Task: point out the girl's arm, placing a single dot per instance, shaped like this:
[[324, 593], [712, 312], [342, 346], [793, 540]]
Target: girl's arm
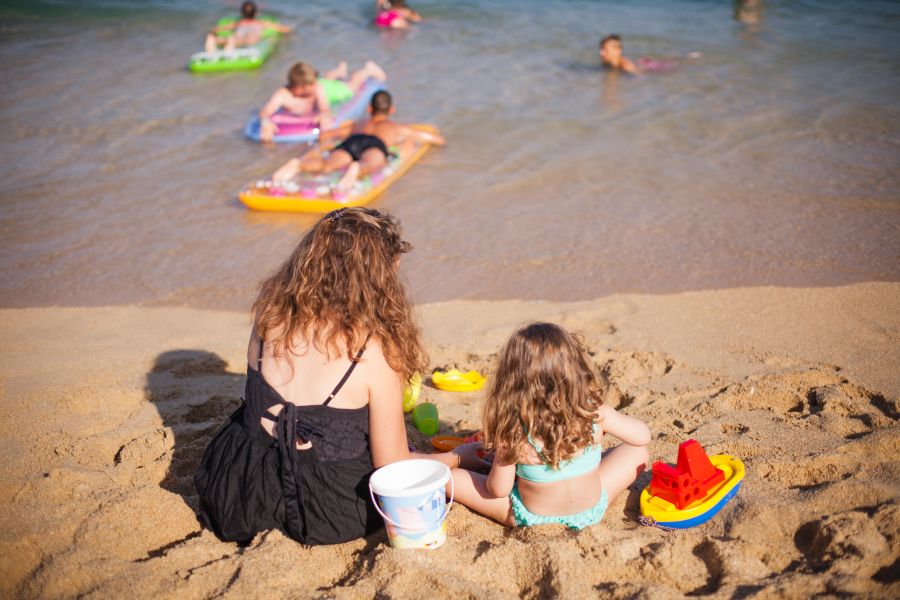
[[501, 479], [628, 429]]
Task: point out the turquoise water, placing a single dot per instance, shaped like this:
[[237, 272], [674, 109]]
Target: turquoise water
[[769, 159]]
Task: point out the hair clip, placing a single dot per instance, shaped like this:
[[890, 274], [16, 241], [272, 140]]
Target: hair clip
[[335, 215]]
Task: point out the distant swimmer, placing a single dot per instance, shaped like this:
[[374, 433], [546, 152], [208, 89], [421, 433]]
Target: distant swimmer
[[611, 55], [612, 58], [307, 94], [246, 31], [367, 148], [395, 14]]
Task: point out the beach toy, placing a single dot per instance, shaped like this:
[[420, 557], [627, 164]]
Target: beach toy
[[258, 195], [694, 490], [411, 392], [446, 443], [239, 59], [455, 380], [425, 418], [303, 128], [410, 496]]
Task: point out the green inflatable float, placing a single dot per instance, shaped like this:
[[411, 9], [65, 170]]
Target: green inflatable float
[[239, 59]]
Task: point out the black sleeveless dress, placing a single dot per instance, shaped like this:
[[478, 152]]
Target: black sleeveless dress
[[250, 481]]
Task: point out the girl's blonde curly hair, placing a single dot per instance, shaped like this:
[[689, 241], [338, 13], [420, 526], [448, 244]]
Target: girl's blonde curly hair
[[545, 386], [340, 285]]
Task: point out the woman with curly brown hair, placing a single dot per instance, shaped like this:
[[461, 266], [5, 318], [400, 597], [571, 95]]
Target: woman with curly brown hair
[[332, 344]]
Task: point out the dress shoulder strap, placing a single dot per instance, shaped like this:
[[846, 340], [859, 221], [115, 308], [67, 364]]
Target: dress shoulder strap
[[353, 363]]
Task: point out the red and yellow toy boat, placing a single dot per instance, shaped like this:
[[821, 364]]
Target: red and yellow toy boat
[[694, 490]]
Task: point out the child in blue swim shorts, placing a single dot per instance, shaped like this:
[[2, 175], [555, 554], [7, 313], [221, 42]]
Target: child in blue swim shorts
[[544, 418]]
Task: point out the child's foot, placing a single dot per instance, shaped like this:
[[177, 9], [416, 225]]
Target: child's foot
[[341, 71], [346, 182], [374, 71]]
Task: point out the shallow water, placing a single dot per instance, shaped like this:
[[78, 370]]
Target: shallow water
[[771, 159]]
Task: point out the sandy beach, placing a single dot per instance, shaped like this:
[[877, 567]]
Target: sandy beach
[[106, 412]]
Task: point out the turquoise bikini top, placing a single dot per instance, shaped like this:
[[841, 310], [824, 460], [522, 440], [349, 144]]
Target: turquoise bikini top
[[568, 469]]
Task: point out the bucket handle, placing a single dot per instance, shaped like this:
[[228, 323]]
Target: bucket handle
[[387, 519]]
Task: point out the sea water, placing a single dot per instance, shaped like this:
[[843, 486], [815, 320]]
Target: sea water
[[769, 156]]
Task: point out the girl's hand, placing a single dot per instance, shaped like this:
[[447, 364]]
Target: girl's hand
[[469, 458]]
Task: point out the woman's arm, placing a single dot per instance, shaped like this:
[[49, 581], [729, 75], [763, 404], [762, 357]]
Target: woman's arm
[[628, 429], [387, 430]]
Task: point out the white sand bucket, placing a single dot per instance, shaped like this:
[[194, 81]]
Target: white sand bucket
[[409, 495]]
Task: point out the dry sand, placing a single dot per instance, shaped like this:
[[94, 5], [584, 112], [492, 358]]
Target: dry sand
[[106, 411]]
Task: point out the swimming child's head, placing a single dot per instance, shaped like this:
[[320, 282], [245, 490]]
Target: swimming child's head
[[381, 103], [611, 49], [248, 10], [302, 79], [546, 386], [340, 284]]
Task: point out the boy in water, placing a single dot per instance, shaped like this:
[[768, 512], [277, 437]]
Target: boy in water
[[366, 150], [306, 94], [247, 30], [611, 55]]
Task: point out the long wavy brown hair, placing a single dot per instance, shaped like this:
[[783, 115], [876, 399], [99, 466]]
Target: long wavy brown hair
[[340, 285], [544, 385]]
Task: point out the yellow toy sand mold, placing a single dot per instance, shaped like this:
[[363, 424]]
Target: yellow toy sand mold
[[455, 380], [313, 194]]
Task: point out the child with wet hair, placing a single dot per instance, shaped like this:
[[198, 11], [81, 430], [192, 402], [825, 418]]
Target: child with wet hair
[[611, 55], [307, 94]]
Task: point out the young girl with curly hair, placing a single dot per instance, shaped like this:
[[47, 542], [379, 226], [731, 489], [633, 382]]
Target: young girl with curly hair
[[332, 344], [543, 417]]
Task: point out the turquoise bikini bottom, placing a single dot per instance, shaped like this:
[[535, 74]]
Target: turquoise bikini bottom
[[526, 518]]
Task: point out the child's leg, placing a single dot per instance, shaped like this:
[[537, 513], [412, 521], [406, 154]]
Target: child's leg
[[230, 43], [620, 466], [287, 171], [469, 489], [211, 44], [339, 72], [370, 161], [337, 160], [358, 78], [312, 162]]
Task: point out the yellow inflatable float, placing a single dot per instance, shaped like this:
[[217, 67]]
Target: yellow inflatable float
[[312, 193]]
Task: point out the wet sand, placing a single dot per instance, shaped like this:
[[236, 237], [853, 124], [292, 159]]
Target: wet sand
[[106, 412]]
